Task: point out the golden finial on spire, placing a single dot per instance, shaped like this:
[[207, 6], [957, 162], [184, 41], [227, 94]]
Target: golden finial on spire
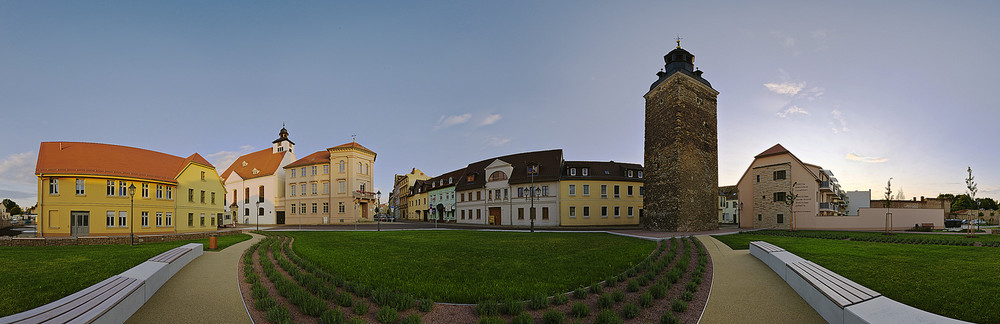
[[679, 40]]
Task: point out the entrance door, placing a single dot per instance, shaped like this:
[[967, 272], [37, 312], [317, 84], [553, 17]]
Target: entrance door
[[79, 224], [494, 215], [280, 217]]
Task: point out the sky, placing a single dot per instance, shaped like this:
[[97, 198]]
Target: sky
[[869, 90]]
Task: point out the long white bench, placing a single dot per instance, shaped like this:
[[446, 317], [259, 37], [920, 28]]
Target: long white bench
[[838, 299], [115, 299]]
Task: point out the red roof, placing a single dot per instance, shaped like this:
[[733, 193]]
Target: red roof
[[264, 161], [110, 160], [315, 158], [774, 150], [352, 145]]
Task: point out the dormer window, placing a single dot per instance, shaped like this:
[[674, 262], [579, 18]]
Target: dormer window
[[255, 171], [607, 172], [450, 179], [533, 169], [629, 173], [585, 171], [471, 178], [498, 176], [640, 174], [244, 163], [572, 171]]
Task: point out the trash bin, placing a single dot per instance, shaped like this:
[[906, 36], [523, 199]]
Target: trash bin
[[213, 241]]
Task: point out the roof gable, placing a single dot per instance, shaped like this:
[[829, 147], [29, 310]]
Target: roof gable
[[264, 161], [315, 158], [111, 160]]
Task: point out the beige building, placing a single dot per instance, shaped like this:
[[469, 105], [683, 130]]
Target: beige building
[[401, 192], [331, 187]]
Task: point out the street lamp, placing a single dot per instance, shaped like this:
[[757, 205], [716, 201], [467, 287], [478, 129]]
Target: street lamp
[[378, 201], [532, 170], [131, 197]]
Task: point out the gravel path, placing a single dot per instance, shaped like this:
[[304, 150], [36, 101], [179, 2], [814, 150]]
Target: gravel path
[[205, 291], [745, 290]]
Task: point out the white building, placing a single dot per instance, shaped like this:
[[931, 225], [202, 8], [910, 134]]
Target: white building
[[255, 183], [497, 191]]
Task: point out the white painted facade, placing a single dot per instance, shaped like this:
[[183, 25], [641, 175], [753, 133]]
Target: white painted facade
[[251, 206]]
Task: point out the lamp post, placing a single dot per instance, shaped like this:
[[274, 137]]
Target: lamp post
[[131, 197], [378, 201], [532, 170]]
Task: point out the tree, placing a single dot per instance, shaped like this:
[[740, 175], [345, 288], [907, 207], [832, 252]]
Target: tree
[[16, 210], [971, 185], [790, 201], [987, 203], [962, 202], [888, 203], [9, 204], [900, 196]]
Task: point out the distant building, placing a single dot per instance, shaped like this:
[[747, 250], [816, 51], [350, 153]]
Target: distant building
[[600, 193], [498, 191], [441, 196], [90, 189], [401, 192], [333, 186], [255, 183], [418, 209], [728, 205]]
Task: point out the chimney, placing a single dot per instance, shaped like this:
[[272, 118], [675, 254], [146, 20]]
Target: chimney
[[921, 198]]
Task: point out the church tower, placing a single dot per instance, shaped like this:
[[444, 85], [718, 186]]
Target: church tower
[[681, 149], [283, 144]]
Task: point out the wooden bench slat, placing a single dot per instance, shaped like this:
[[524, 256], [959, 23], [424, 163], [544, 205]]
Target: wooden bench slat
[[65, 305], [844, 283], [81, 307], [170, 255], [834, 286], [819, 284], [109, 302], [48, 307], [767, 247]]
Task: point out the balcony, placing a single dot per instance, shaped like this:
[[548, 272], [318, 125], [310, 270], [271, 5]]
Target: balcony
[[364, 195], [825, 206], [826, 186]]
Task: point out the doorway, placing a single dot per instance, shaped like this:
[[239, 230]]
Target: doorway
[[280, 215], [79, 223], [495, 215]]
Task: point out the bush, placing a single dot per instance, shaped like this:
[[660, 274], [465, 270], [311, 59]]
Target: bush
[[387, 314], [596, 289], [611, 281], [487, 308], [643, 281], [278, 314], [646, 300], [360, 308], [580, 310], [560, 299], [553, 317], [618, 296], [604, 301], [355, 321], [345, 300], [265, 303], [511, 307], [608, 317], [630, 311], [580, 293], [633, 286], [691, 286], [313, 306], [538, 301], [491, 320], [679, 306], [668, 318], [687, 296], [658, 291], [426, 305], [412, 319], [332, 316], [522, 318]]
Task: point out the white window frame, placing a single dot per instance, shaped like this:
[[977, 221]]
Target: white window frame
[[110, 221], [586, 190], [81, 187], [159, 219], [145, 218], [122, 218], [168, 219], [145, 190], [53, 186], [111, 188], [572, 211]]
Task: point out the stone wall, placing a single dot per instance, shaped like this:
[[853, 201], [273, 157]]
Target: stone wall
[[681, 156], [104, 240], [764, 205]]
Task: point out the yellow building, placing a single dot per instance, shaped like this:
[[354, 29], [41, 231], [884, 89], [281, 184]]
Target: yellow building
[[600, 193], [133, 190], [418, 207], [401, 192], [331, 187]]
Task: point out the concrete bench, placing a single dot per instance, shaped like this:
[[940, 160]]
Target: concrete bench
[[113, 300], [827, 292]]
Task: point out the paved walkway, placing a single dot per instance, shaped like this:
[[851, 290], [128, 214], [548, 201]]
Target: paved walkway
[[745, 290], [205, 291]]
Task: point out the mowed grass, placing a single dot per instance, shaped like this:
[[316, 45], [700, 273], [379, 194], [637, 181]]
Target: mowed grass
[[954, 281], [37, 275], [468, 266]]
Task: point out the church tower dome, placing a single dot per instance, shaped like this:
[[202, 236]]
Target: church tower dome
[[282, 144]]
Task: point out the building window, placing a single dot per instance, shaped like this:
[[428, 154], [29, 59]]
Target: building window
[[545, 191], [313, 208], [505, 193], [779, 175], [246, 211], [779, 196], [202, 175], [122, 218], [758, 217], [340, 208], [640, 174], [145, 190], [202, 196], [80, 187], [781, 218], [479, 195], [604, 191], [145, 219], [168, 219], [586, 190], [302, 208], [572, 211], [260, 211], [470, 178], [479, 214], [498, 176], [190, 195], [360, 170], [302, 187], [572, 190], [326, 188], [213, 220], [111, 219], [159, 219], [463, 214], [342, 186], [293, 173], [629, 191], [326, 169], [190, 219], [122, 189], [313, 170], [313, 188], [326, 208], [213, 198], [604, 211], [586, 211], [572, 171], [520, 213], [202, 223], [292, 191], [260, 193], [545, 213], [640, 191], [170, 193], [630, 211], [303, 171], [585, 171], [342, 166], [758, 178], [629, 173], [159, 192], [617, 191], [293, 208], [617, 211], [111, 187]]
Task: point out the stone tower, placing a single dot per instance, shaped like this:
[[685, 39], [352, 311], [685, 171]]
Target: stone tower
[[681, 149]]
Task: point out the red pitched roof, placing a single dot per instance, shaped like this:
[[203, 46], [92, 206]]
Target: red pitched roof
[[352, 145], [774, 150], [264, 161], [110, 160], [315, 158]]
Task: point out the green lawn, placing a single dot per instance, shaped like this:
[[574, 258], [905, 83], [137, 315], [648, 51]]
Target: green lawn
[[466, 266], [954, 281], [34, 276]]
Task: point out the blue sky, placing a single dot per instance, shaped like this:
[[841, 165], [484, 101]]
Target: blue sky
[[868, 90]]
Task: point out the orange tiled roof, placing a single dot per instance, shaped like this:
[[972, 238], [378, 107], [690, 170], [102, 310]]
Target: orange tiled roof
[[318, 157], [264, 161], [352, 145], [110, 160], [774, 150]]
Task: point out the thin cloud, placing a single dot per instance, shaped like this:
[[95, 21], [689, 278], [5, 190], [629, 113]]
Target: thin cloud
[[490, 120], [866, 159], [785, 88], [497, 141], [793, 110], [839, 123], [18, 168], [448, 121], [223, 159], [785, 40]]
